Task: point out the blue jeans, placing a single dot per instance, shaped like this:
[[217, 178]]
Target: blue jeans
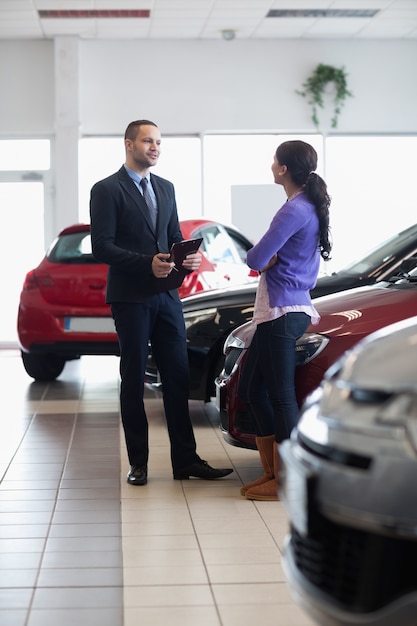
[[267, 385]]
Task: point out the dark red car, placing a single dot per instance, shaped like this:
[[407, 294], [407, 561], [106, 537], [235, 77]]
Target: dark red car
[[62, 311], [346, 317]]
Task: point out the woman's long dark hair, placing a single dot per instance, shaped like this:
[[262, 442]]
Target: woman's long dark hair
[[301, 161]]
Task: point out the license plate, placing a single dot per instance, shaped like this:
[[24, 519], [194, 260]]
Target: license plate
[[89, 325], [297, 491]]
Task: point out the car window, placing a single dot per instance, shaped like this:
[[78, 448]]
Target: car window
[[385, 251], [71, 248], [217, 246], [241, 244]]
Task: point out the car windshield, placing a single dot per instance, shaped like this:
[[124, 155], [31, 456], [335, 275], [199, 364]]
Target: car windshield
[[217, 245], [410, 277], [71, 248], [382, 253]]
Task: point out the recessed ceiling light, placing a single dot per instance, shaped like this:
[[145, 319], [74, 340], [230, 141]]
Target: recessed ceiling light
[[228, 34]]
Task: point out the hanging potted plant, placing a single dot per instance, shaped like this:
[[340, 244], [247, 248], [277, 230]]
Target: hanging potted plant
[[315, 88]]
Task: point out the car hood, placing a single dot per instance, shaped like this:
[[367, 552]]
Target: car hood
[[365, 309]]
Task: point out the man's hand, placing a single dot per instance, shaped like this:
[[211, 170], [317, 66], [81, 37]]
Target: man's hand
[[161, 266], [192, 262]]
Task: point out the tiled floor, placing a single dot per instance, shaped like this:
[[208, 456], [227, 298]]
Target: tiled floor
[[78, 546]]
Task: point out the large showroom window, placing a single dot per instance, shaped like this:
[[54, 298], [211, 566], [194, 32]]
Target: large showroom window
[[180, 162], [23, 165], [370, 180], [227, 177]]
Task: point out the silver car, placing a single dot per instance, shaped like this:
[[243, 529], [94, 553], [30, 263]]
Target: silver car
[[349, 485]]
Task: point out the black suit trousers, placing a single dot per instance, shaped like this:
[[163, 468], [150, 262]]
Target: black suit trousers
[[157, 318]]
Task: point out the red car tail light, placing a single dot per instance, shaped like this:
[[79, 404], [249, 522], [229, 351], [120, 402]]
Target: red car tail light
[[35, 279]]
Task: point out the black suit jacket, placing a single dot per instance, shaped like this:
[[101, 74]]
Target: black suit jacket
[[122, 235]]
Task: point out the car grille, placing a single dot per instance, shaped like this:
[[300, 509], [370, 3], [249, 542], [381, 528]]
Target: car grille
[[359, 571]]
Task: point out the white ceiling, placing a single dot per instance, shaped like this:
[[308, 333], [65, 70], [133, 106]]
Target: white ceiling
[[206, 19]]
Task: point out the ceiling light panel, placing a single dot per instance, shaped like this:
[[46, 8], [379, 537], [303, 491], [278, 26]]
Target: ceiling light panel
[[319, 13], [93, 13]]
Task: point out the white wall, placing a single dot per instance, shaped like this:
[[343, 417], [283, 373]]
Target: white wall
[[198, 86], [27, 102], [254, 206], [189, 87]]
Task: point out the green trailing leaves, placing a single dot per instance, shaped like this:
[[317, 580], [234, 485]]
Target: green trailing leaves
[[314, 89]]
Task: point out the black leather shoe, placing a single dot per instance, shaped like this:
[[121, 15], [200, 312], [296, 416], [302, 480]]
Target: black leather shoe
[[138, 475], [201, 469]]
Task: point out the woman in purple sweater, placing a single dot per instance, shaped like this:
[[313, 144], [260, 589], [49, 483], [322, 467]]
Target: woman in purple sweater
[[288, 259]]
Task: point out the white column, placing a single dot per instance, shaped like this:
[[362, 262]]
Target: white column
[[67, 131]]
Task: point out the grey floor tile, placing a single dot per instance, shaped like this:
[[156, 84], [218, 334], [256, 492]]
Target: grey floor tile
[[84, 617], [24, 531], [88, 504], [13, 617], [80, 577], [85, 530], [93, 493], [87, 559], [86, 517], [80, 544], [25, 518], [26, 506], [14, 599], [9, 492], [20, 560], [22, 545], [70, 597], [18, 578]]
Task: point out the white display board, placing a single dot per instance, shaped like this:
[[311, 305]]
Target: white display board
[[253, 207]]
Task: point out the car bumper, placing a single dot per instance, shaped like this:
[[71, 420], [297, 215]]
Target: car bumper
[[235, 422], [59, 332], [344, 557], [74, 349]]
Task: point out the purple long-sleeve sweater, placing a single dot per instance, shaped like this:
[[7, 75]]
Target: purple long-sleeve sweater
[[294, 236]]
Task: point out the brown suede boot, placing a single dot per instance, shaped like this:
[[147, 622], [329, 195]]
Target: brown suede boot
[[265, 447], [267, 490]]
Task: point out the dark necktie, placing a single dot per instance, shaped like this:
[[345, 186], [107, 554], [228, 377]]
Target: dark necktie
[[149, 201]]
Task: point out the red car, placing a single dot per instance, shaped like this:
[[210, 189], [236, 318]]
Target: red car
[[346, 317], [62, 311]]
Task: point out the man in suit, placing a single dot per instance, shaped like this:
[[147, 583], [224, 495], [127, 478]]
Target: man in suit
[[132, 230]]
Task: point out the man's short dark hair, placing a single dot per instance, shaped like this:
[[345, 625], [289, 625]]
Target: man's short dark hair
[[133, 128]]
